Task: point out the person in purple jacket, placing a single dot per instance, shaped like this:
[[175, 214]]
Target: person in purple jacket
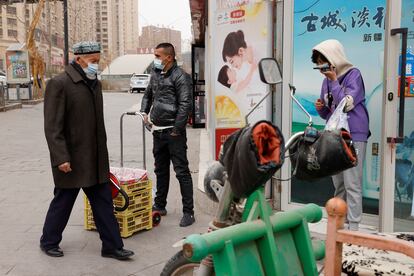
[[342, 80]]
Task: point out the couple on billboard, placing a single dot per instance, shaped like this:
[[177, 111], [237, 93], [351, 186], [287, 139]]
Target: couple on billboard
[[242, 63]]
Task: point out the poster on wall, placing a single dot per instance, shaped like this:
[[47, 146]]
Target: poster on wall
[[359, 26], [242, 38], [17, 66]]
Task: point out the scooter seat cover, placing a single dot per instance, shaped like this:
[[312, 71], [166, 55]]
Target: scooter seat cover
[[251, 156]]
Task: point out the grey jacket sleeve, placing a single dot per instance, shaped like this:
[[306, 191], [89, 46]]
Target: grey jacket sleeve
[[54, 123], [184, 101]]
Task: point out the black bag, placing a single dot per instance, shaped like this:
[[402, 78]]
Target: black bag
[[329, 153], [251, 156]]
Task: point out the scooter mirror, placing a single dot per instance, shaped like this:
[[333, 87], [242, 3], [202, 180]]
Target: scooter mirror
[[269, 71]]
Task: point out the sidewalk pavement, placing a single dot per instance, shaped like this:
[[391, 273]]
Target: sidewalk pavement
[[27, 188]]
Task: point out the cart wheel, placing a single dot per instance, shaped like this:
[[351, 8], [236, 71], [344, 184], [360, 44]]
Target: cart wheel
[[179, 265], [156, 218]]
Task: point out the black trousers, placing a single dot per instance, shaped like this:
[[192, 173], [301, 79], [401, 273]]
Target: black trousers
[[172, 148], [61, 206]]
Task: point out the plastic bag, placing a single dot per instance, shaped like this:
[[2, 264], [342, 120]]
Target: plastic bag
[[339, 119]]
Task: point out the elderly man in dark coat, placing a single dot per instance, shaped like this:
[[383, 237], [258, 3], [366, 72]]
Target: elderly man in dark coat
[[76, 136]]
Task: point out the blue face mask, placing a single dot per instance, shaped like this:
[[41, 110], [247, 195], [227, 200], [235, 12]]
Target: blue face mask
[[158, 64], [92, 69]]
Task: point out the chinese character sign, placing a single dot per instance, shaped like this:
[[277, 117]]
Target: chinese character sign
[[360, 17], [231, 4]]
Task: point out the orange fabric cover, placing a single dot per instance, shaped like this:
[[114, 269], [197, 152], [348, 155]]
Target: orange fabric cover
[[346, 135], [267, 143]]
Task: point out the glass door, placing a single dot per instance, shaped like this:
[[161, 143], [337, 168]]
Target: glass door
[[359, 26], [404, 149], [397, 148], [198, 74]]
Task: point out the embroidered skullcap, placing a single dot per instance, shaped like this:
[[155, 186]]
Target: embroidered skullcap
[[86, 47]]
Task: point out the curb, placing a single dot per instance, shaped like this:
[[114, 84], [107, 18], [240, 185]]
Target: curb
[[32, 102], [10, 107]]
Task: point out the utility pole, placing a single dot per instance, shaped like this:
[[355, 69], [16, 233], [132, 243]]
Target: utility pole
[[66, 31], [49, 65], [25, 25]]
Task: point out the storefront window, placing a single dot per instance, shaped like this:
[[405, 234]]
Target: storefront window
[[404, 165], [359, 26]]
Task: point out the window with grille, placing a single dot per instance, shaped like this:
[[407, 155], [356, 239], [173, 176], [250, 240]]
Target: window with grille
[[12, 33], [12, 22], [11, 10]]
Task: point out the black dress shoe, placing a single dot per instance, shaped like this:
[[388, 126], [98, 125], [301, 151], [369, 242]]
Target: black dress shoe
[[53, 252], [119, 254]]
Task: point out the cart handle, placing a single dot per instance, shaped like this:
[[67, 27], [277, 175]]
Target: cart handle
[[133, 113], [123, 194]]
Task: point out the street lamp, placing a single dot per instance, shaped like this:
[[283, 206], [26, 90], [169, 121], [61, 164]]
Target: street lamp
[[66, 31]]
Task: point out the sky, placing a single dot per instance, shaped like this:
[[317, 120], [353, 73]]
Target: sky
[[170, 13]]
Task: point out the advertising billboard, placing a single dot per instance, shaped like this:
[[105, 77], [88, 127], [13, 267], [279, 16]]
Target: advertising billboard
[[17, 66], [242, 38]]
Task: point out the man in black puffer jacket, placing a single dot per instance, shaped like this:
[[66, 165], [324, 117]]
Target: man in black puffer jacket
[[168, 101]]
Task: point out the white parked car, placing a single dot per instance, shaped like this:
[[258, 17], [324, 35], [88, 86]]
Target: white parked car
[[139, 82]]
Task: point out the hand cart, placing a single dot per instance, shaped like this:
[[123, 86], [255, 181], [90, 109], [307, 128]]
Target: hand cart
[[156, 216]]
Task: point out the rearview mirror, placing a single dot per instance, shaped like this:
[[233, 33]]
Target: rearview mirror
[[269, 71]]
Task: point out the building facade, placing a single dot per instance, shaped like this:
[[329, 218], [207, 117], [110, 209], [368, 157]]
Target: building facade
[[82, 21], [15, 20], [12, 29], [152, 35], [128, 26], [113, 23], [116, 27]]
